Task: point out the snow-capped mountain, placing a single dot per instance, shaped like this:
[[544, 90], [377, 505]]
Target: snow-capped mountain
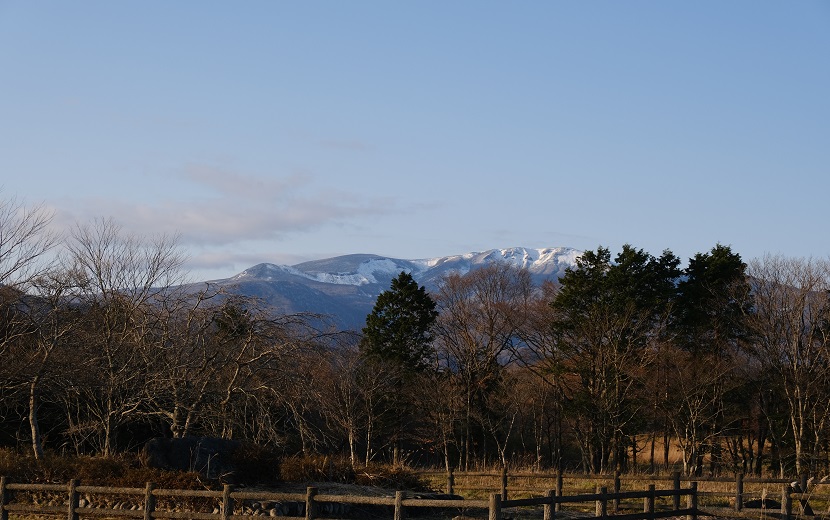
[[345, 287]]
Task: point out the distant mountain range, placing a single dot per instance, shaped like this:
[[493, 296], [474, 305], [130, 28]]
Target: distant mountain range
[[346, 287]]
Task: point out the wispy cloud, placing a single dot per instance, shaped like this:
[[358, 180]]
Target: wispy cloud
[[228, 183], [228, 207], [228, 263]]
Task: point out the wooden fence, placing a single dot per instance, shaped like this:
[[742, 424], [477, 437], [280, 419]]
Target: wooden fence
[[228, 504], [800, 492]]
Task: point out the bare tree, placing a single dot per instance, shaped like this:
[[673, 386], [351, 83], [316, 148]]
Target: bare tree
[[442, 401], [51, 318], [539, 354], [695, 387], [123, 275], [342, 396], [25, 241], [790, 328], [475, 333], [183, 359]]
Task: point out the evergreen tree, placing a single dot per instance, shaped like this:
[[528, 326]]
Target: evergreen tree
[[713, 301], [399, 329], [604, 316], [397, 342], [708, 327]]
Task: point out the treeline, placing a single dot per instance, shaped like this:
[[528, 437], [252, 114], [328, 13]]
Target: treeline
[[102, 347]]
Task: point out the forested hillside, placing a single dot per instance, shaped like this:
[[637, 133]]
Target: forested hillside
[[723, 359]]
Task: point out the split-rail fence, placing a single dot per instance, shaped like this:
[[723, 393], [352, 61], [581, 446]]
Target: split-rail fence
[[796, 494], [312, 505]]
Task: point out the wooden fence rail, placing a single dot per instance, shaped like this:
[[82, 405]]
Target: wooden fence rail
[[801, 491], [76, 504], [601, 499]]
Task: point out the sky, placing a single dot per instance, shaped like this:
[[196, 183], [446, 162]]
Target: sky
[[285, 131]]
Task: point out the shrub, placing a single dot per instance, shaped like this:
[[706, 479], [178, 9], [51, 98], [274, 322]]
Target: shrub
[[316, 468], [319, 468], [11, 463], [121, 471], [138, 477], [254, 464], [388, 476]]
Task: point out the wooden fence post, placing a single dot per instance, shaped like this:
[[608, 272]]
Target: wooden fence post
[[786, 503], [691, 502], [504, 483], [550, 509], [495, 507], [450, 482], [557, 506], [739, 492], [676, 497], [649, 502], [310, 504], [602, 502], [73, 500], [4, 499], [399, 512], [227, 502], [149, 501]]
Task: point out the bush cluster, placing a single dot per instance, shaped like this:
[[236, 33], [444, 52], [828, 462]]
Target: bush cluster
[[319, 468], [124, 470], [253, 465]]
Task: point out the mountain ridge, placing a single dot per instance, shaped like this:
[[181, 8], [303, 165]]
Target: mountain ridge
[[345, 287]]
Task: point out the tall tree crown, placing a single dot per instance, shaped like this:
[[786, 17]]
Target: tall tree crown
[[399, 328], [713, 299]]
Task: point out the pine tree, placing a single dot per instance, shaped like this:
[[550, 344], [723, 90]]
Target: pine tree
[[713, 300], [399, 329], [605, 315], [397, 341]]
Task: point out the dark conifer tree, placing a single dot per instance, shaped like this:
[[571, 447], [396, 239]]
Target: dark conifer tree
[[713, 301], [397, 340], [399, 329], [605, 314], [709, 326]]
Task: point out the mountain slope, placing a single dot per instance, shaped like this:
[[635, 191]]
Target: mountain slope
[[346, 287]]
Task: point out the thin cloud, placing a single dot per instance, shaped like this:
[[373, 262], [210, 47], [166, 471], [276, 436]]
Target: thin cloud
[[228, 183], [229, 262], [232, 208]]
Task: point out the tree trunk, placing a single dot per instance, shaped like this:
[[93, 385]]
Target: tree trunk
[[352, 452], [37, 443], [368, 442]]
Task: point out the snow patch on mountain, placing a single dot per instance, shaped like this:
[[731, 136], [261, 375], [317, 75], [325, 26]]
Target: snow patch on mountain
[[372, 271], [360, 270], [365, 274], [345, 287], [266, 272], [534, 260]]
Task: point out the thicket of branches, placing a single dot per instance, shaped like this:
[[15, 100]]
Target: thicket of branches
[[102, 348]]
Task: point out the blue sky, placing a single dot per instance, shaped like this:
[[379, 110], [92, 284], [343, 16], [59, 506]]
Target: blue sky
[[287, 131]]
